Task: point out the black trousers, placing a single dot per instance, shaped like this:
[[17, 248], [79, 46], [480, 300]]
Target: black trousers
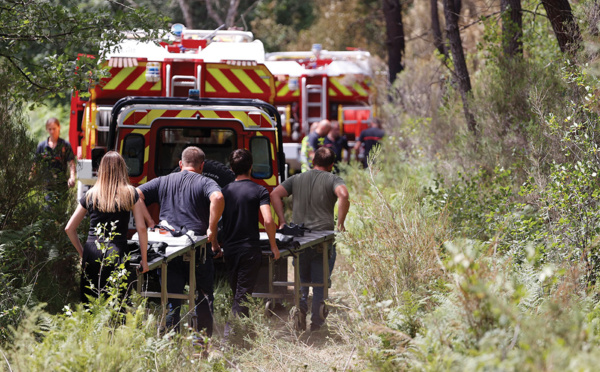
[[97, 268], [177, 277], [242, 266]]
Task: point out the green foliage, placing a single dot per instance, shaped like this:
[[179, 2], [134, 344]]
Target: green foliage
[[16, 157], [474, 203], [277, 23], [296, 25], [393, 238], [96, 338], [41, 41], [14, 301]]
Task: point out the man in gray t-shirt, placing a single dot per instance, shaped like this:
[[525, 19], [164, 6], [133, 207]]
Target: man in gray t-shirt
[[315, 194]]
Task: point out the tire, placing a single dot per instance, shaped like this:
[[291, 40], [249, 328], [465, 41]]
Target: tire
[[323, 310], [218, 172], [269, 307]]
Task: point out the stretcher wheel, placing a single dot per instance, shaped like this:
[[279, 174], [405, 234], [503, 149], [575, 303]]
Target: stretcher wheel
[[323, 310], [269, 307], [299, 319]]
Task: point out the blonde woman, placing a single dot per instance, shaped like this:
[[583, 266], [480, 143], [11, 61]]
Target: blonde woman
[[108, 203]]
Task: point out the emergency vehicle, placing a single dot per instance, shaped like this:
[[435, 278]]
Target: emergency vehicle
[[145, 111], [304, 86], [320, 84]]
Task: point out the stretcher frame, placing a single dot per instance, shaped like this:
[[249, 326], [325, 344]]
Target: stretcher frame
[[309, 240], [189, 254]]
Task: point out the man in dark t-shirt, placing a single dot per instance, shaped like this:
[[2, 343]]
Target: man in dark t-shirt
[[189, 199], [244, 200], [55, 157], [369, 138]]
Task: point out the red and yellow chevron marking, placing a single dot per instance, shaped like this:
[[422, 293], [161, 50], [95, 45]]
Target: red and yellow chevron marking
[[147, 117], [356, 89], [130, 78], [242, 81], [283, 90]]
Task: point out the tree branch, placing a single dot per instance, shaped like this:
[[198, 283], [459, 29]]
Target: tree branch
[[23, 73], [212, 13]]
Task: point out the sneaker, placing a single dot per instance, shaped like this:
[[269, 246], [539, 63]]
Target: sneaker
[[315, 327]]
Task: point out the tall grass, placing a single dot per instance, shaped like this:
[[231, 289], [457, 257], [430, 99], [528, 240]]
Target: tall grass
[[393, 237]]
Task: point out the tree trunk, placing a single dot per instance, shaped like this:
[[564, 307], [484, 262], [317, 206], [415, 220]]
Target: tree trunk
[[564, 24], [593, 19], [458, 7], [458, 57], [512, 27], [187, 14], [210, 9], [395, 36], [232, 13], [438, 40]]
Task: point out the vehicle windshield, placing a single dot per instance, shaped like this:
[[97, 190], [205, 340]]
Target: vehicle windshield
[[217, 144]]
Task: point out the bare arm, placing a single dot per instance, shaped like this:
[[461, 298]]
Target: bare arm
[[343, 205], [147, 218], [140, 226], [217, 204], [270, 227], [71, 228], [72, 167], [276, 199]]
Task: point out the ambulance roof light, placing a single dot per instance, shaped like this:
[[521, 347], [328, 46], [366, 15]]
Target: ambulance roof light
[[177, 29]]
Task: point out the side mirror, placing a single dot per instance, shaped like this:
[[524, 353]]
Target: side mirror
[[97, 154]]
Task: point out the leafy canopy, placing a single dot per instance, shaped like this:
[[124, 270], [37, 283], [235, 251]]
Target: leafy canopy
[[40, 42]]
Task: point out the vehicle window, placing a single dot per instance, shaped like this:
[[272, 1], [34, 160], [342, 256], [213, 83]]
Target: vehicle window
[[260, 147], [217, 144], [133, 153]]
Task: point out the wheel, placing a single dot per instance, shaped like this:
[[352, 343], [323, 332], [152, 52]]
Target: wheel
[[323, 310], [269, 306], [299, 319]]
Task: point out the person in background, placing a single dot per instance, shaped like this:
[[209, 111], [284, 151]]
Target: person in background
[[369, 138], [338, 144], [108, 203], [315, 194], [316, 139], [56, 159], [304, 148], [244, 200], [191, 200]]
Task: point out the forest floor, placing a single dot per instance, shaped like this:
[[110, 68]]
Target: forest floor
[[272, 344]]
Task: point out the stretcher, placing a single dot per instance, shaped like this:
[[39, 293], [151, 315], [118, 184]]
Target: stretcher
[[312, 239], [182, 246]]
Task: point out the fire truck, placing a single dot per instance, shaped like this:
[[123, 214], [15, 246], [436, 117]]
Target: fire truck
[[193, 88], [234, 84], [320, 84]]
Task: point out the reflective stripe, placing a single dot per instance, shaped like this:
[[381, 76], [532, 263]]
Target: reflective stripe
[[223, 80]]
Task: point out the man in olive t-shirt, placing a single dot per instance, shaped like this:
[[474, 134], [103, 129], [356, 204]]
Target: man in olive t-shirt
[[315, 194]]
